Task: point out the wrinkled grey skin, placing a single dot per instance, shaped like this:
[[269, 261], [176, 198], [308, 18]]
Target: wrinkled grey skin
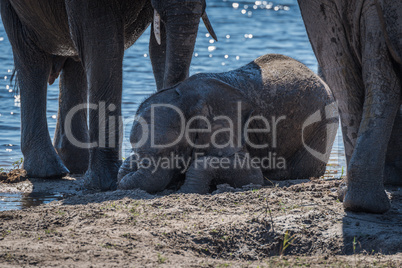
[[271, 86], [85, 41], [359, 48]]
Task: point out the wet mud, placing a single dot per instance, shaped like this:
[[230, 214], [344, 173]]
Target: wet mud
[[14, 176]]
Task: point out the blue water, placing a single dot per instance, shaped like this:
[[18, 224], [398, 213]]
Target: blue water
[[245, 29], [12, 201]]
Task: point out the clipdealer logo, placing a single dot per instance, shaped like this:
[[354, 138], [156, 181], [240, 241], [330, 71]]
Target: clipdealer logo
[[236, 131], [331, 112]]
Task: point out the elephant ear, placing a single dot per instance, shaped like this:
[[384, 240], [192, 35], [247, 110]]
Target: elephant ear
[[206, 94], [227, 107], [237, 102], [390, 14], [227, 96]]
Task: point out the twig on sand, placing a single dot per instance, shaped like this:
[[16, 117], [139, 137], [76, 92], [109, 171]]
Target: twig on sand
[[266, 211]]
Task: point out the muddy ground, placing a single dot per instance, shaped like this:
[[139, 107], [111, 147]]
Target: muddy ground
[[292, 223]]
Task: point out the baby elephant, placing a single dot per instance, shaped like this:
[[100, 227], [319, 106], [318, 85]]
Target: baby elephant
[[272, 119]]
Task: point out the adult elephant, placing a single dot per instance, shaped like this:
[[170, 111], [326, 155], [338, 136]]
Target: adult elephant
[[85, 41], [359, 49]]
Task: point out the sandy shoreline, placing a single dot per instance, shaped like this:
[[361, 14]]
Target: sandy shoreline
[[134, 228]]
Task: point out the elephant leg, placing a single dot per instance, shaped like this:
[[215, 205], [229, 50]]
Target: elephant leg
[[235, 170], [198, 177], [97, 31], [390, 14], [382, 100], [339, 65], [236, 174], [71, 136], [40, 157], [393, 160], [33, 69]]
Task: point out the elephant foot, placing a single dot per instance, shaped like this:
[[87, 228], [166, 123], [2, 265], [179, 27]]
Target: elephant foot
[[361, 198], [129, 165], [128, 181], [75, 159], [102, 173], [102, 178], [392, 175], [45, 165]]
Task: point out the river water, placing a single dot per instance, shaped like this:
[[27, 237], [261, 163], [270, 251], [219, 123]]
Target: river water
[[245, 29]]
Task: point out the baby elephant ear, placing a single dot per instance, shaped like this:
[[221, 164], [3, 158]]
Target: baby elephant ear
[[223, 99], [226, 98], [230, 94], [390, 15]]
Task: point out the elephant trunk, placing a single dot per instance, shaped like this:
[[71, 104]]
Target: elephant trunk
[[181, 34], [174, 32], [149, 178], [135, 179], [129, 166]]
